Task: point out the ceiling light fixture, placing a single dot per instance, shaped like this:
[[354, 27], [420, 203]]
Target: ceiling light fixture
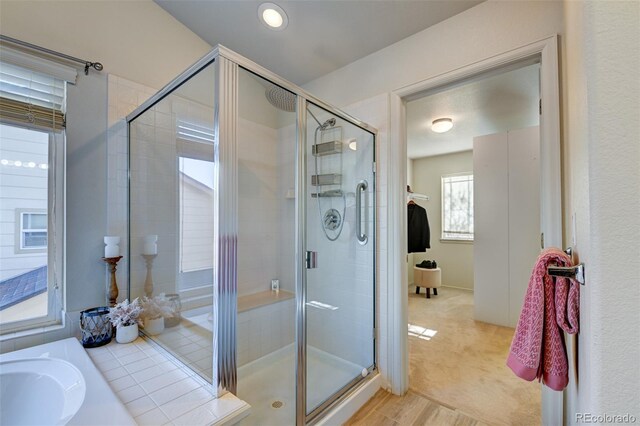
[[442, 125], [273, 16]]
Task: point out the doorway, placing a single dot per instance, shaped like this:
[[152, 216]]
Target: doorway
[[544, 50], [469, 180]]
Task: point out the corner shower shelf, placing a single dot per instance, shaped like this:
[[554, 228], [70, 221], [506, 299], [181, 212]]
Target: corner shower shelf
[[326, 179], [327, 148], [334, 193]]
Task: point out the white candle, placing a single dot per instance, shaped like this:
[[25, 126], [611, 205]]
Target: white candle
[[111, 249], [150, 245]]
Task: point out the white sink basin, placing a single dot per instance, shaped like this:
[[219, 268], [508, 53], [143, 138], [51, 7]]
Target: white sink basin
[[39, 391]]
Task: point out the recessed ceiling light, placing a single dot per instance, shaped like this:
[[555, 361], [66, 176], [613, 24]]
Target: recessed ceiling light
[[273, 16], [442, 125]]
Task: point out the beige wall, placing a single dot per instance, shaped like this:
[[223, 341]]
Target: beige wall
[[137, 40], [490, 28], [454, 258], [601, 107], [576, 181]]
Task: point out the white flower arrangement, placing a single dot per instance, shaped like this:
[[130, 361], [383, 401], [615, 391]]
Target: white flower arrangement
[[125, 314], [156, 307]]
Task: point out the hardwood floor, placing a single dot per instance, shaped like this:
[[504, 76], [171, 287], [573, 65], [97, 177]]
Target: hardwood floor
[[385, 409], [457, 371]]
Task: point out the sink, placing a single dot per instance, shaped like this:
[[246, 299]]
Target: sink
[[39, 391]]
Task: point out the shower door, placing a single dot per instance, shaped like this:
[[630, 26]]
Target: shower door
[[339, 293]]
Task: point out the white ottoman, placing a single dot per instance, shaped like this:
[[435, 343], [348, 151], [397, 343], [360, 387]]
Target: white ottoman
[[427, 278]]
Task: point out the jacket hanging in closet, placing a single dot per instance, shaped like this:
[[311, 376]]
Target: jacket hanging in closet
[[419, 237]]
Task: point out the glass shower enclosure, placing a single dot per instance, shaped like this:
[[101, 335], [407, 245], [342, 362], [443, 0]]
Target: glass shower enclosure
[[252, 227]]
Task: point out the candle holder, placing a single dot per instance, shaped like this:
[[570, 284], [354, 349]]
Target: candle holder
[[148, 282], [113, 285]]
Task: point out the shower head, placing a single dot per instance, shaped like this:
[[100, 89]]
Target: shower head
[[281, 98], [286, 101], [329, 123]]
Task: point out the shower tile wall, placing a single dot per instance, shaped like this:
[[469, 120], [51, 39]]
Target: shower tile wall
[[262, 203], [154, 197], [258, 210], [326, 330], [123, 97], [153, 168], [265, 228], [264, 330], [286, 189], [375, 111], [344, 266]]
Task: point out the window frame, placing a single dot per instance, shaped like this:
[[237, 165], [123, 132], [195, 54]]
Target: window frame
[[21, 230], [449, 238], [56, 202]]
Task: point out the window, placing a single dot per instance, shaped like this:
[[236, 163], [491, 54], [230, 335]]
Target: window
[[196, 191], [457, 207], [33, 230], [196, 214], [32, 153]]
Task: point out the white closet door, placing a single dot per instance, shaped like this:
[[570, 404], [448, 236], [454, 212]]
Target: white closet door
[[491, 238], [524, 213]]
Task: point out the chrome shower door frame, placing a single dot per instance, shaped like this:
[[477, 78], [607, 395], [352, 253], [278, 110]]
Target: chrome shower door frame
[[225, 292], [225, 234], [303, 98], [302, 418]]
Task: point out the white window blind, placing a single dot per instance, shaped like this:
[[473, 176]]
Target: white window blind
[[32, 107], [457, 207], [194, 140], [29, 98]]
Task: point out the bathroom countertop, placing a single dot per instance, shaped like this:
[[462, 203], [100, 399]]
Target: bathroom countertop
[[100, 405]]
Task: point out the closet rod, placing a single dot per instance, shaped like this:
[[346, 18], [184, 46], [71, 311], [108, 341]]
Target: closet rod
[[415, 196], [87, 64]]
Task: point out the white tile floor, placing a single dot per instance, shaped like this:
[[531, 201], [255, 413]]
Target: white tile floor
[[191, 344], [158, 391]]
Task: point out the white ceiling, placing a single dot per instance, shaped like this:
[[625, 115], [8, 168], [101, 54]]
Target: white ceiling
[[495, 104], [322, 35]]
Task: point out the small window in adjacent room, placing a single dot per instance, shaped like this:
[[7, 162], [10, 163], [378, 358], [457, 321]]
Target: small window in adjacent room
[[457, 207], [33, 231]]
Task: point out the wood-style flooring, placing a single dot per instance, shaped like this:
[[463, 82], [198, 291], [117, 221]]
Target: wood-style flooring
[[457, 371], [385, 409]]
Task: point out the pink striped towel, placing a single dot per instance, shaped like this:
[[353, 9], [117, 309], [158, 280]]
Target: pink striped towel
[[551, 305]]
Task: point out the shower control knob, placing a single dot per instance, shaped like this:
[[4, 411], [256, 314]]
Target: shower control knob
[[332, 219]]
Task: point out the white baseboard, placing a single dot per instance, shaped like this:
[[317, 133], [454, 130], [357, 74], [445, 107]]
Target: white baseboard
[[347, 408], [458, 288]]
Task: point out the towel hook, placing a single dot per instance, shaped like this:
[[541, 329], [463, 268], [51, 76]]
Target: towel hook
[[576, 272]]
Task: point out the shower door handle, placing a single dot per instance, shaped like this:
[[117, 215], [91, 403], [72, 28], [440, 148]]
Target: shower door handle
[[361, 187], [311, 259]]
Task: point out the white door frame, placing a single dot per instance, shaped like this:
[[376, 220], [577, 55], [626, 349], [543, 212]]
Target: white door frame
[[546, 50]]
